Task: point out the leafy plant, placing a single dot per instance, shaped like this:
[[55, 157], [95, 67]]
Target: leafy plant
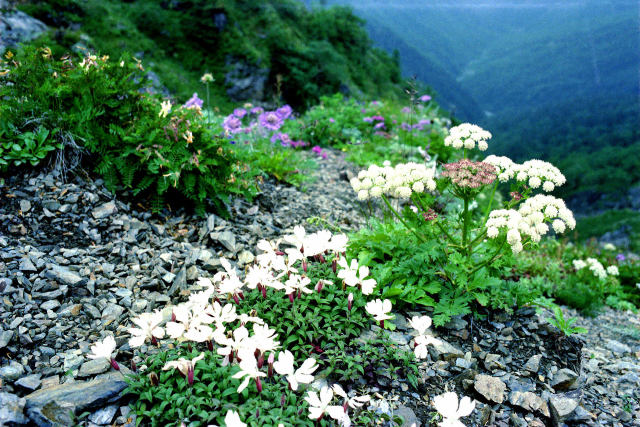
[[564, 325]]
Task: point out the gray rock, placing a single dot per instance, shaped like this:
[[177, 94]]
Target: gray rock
[[409, 418], [491, 388], [50, 305], [27, 265], [494, 362], [562, 406], [11, 409], [25, 206], [104, 416], [111, 313], [12, 371], [52, 414], [564, 379], [245, 257], [445, 351], [29, 382], [226, 239], [104, 210], [93, 367], [18, 27], [529, 402], [81, 394], [617, 347], [5, 338], [62, 275], [179, 282], [533, 364], [245, 81]]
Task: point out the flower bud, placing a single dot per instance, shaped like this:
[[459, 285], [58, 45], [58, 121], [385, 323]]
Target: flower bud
[[319, 286], [350, 301], [258, 385], [153, 378], [190, 375], [270, 361], [134, 368], [114, 364]]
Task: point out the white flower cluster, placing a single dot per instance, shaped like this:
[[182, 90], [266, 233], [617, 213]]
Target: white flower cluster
[[467, 136], [541, 208], [421, 324], [538, 172], [530, 220], [399, 181], [596, 267], [505, 167]]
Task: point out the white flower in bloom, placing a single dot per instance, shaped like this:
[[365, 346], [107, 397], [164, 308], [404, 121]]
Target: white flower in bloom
[[269, 252], [420, 323], [514, 225], [613, 270], [543, 208], [579, 264], [538, 172], [248, 369], [103, 349], [358, 277], [421, 342], [319, 404], [379, 309], [447, 406], [399, 181], [597, 268], [182, 364], [609, 247], [147, 328], [353, 402], [338, 243], [165, 108], [232, 419], [303, 375], [221, 314], [264, 338], [467, 135]]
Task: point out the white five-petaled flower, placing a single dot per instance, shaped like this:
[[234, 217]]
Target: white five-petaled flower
[[447, 405], [248, 370], [353, 402], [302, 375], [103, 349], [183, 365], [232, 419], [420, 323], [319, 404], [147, 328], [359, 278], [379, 309]]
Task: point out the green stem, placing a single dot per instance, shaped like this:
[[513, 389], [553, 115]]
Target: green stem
[[486, 214], [422, 239], [208, 105], [495, 256], [466, 214], [451, 239]]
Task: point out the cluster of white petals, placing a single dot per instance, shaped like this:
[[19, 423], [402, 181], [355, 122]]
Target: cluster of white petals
[[595, 267], [321, 404], [510, 220], [421, 324], [451, 410], [467, 136], [354, 275], [505, 167], [379, 309], [397, 182], [543, 208], [538, 173]]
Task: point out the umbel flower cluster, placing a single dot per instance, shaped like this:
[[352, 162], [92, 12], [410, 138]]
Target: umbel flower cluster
[[397, 182], [596, 268], [534, 173], [467, 136], [468, 174]]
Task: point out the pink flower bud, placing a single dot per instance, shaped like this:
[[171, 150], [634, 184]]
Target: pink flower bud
[[258, 385], [190, 376], [319, 286], [173, 316], [209, 345], [334, 265], [114, 364], [235, 298], [350, 301], [291, 296], [270, 361], [304, 265], [264, 291]]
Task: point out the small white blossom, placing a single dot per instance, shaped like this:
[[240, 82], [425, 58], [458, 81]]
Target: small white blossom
[[447, 406]]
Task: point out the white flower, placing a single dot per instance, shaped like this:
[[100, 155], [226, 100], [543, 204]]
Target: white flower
[[232, 419], [221, 314], [379, 309], [467, 135], [248, 370], [420, 323], [399, 181], [613, 270], [303, 375], [537, 172], [183, 365], [264, 339], [447, 405], [147, 328], [103, 349], [579, 264], [165, 109], [320, 404], [353, 402]]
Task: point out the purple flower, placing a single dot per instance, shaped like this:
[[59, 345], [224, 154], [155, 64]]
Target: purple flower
[[425, 98], [375, 103], [270, 120], [620, 257], [239, 112], [332, 120], [424, 122], [232, 124], [284, 112], [193, 102], [406, 110], [257, 110], [378, 118], [367, 119], [379, 125], [363, 111], [284, 139], [318, 150], [297, 144]]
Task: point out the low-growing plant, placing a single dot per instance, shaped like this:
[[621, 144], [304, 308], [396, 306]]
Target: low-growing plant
[[565, 325], [96, 108]]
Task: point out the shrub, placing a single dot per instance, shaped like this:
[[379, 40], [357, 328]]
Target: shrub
[[95, 107]]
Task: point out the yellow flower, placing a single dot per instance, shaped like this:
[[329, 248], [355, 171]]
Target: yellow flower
[[8, 55], [207, 78], [46, 53], [166, 108], [188, 136]]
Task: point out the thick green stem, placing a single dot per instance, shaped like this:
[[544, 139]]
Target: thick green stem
[[466, 217], [486, 214], [421, 238]]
